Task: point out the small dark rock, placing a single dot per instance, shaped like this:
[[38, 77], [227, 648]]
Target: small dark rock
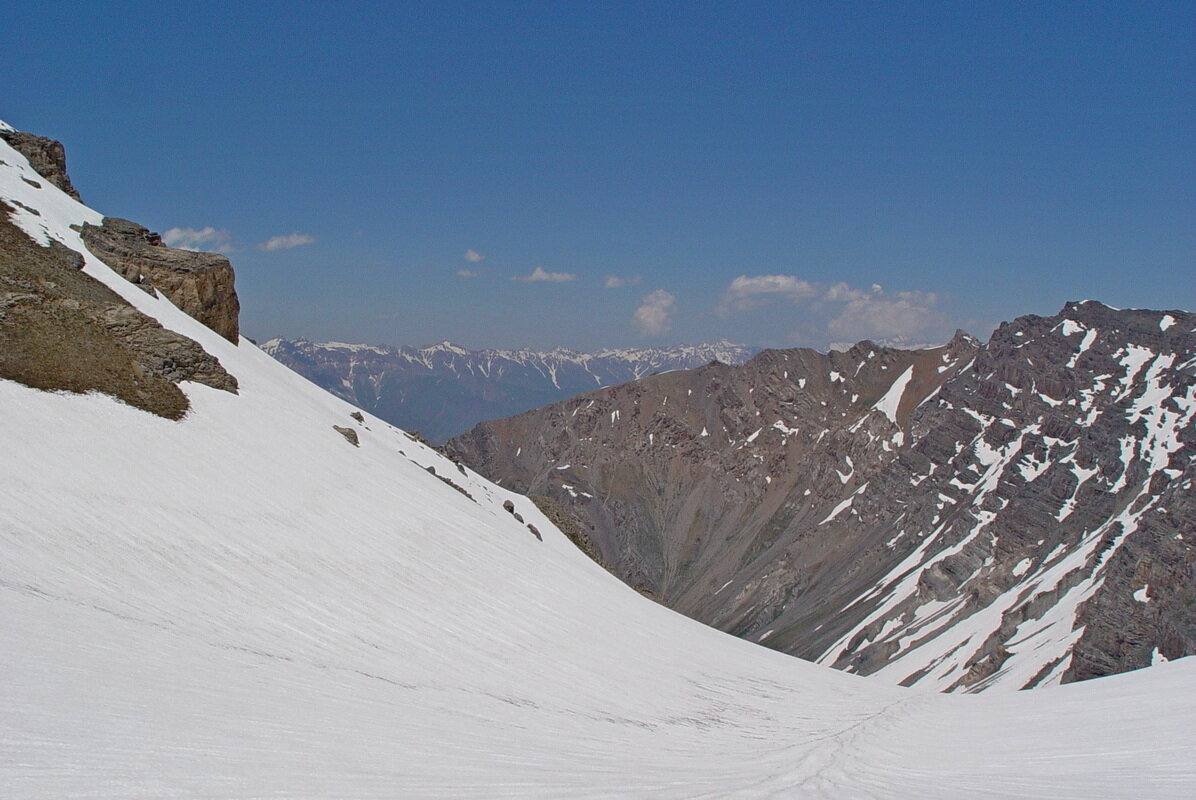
[[349, 434], [357, 416]]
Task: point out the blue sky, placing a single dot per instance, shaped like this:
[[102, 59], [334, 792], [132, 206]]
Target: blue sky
[[773, 173]]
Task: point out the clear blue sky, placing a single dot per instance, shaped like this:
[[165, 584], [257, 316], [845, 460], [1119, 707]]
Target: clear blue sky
[[898, 169]]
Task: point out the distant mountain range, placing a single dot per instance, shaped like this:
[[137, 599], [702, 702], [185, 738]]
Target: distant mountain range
[[444, 390]]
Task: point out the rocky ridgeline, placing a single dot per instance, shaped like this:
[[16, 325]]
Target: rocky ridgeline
[[46, 156], [1019, 513], [444, 390], [60, 329]]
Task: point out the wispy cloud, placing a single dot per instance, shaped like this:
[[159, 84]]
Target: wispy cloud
[[615, 282], [473, 256], [886, 315], [469, 273], [654, 316], [538, 275], [841, 310], [750, 291], [209, 238], [286, 242]]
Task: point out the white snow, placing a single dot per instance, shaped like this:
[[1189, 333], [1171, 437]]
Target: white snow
[[1142, 595], [1085, 344], [837, 509], [889, 404], [784, 429], [1166, 322], [241, 604]]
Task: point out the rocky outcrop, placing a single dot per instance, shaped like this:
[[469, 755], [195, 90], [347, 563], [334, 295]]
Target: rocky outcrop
[[61, 329], [1016, 514], [200, 284], [444, 390], [46, 156]]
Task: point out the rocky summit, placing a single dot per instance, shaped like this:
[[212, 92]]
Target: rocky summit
[[445, 389], [1018, 513]]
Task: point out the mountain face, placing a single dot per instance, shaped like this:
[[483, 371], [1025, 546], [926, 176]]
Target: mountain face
[[444, 390], [1018, 513], [273, 594]]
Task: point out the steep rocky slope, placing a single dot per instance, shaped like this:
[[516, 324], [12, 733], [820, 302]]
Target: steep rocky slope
[[444, 390], [1017, 514]]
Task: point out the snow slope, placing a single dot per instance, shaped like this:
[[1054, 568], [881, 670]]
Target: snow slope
[[243, 604]]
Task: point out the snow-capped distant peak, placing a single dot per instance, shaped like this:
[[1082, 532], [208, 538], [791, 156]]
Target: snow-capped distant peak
[[445, 347], [4, 126]]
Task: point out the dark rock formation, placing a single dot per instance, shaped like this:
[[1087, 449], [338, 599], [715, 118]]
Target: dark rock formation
[[47, 156], [61, 329], [1020, 512], [200, 284]]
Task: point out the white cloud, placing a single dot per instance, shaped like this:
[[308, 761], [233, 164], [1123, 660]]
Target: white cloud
[[747, 292], [654, 316], [209, 238], [885, 315], [615, 282], [473, 256], [538, 275], [286, 242], [469, 273], [841, 310]]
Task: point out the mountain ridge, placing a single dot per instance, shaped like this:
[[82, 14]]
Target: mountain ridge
[[444, 389], [855, 508]]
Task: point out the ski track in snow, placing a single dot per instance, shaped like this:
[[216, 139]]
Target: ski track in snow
[[241, 604]]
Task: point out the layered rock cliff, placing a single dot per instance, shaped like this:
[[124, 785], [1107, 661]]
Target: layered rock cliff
[[1018, 513], [201, 284]]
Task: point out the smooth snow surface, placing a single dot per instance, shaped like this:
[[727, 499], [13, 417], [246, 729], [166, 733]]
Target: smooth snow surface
[[888, 404], [242, 604]]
